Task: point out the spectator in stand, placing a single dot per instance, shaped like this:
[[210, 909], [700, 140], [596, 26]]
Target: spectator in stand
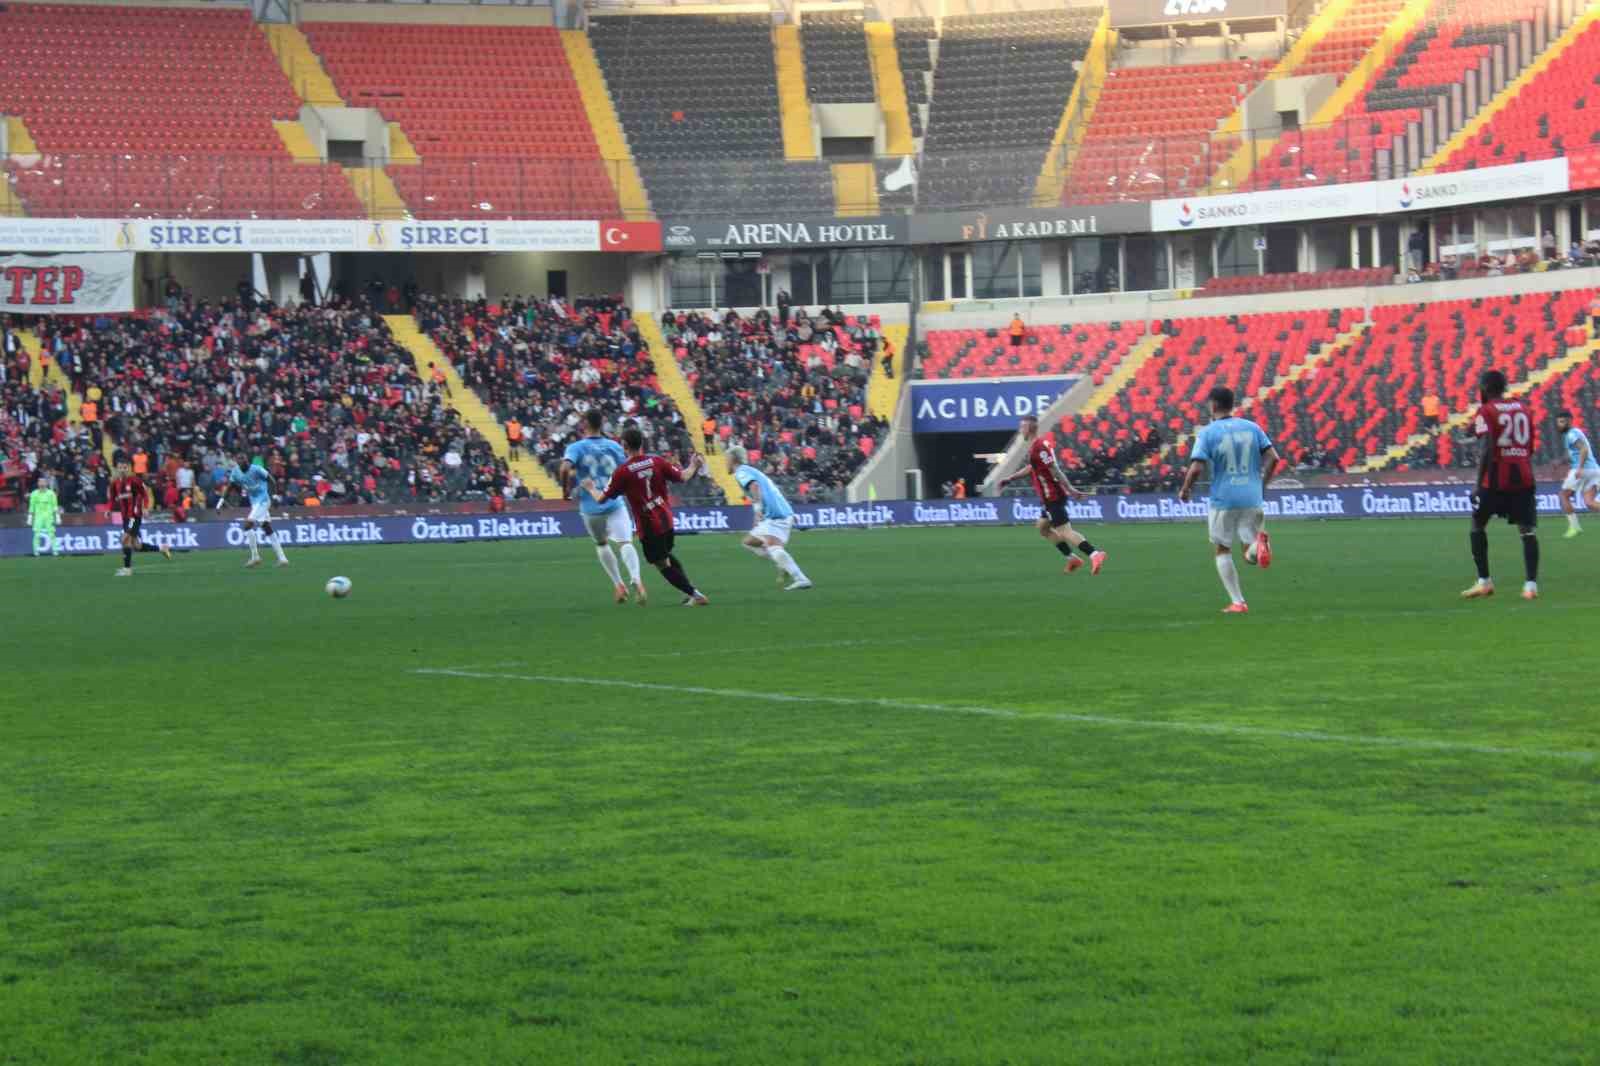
[[1017, 330], [1417, 250], [1548, 244], [514, 437]]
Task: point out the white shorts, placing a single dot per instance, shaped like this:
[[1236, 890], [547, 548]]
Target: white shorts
[[1581, 481], [776, 528], [616, 527], [1235, 524], [260, 512]]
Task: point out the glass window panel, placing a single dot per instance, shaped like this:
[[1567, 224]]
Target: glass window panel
[[888, 275], [994, 271], [847, 277], [1147, 263], [1032, 257], [690, 282], [1236, 251]]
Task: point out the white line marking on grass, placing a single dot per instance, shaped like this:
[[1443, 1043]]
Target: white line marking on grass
[[1218, 729]]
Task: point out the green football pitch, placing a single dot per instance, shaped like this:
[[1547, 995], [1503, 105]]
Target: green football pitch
[[949, 807]]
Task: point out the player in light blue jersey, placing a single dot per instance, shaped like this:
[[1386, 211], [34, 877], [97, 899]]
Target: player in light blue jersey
[[769, 537], [1242, 461], [1584, 477], [253, 478], [593, 458]]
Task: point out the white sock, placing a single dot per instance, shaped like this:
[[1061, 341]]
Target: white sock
[[1530, 586], [630, 559], [254, 538], [786, 563], [1572, 520], [277, 548], [608, 563], [758, 550], [1230, 576]]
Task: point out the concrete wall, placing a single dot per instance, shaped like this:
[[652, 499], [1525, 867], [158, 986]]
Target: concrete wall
[[847, 120], [362, 124], [210, 276], [526, 273], [1300, 95], [428, 14]]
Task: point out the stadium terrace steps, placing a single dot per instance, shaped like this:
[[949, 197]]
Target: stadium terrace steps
[[883, 391], [301, 65], [673, 382], [296, 141], [474, 412], [401, 151], [1486, 114], [19, 143], [1147, 346], [1354, 83], [891, 89], [1324, 355], [794, 104], [855, 189], [624, 174], [377, 192], [1051, 188], [42, 371]]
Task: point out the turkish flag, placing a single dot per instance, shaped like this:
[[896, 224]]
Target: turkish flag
[[630, 236]]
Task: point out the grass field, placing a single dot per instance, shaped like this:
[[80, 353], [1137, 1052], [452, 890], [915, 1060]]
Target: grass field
[[951, 807]]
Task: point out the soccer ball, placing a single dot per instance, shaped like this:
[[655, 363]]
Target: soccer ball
[[338, 587]]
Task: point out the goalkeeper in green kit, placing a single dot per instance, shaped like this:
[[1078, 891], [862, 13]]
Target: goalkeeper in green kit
[[43, 510]]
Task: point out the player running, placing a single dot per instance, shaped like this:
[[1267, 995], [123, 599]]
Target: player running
[[594, 458], [769, 537], [1584, 477], [257, 484], [1505, 482], [1242, 461], [44, 510], [130, 498], [643, 480], [1050, 482]]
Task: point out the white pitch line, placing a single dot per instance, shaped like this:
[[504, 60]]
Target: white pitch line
[[1202, 728]]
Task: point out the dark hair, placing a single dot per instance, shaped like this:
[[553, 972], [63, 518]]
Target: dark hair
[[632, 439], [1221, 398], [594, 419], [1564, 413], [1493, 384]]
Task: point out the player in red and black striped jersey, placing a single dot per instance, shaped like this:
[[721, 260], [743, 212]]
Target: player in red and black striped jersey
[[1050, 482], [644, 481], [1505, 487], [130, 497]]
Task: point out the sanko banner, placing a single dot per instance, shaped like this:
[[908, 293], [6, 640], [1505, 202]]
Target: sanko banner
[[1385, 501], [81, 283], [329, 235]]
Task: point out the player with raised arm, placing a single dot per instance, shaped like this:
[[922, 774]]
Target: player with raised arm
[[257, 484], [1584, 477], [130, 498], [44, 510], [769, 537], [1054, 489], [643, 480], [593, 458], [1242, 461], [1505, 486]]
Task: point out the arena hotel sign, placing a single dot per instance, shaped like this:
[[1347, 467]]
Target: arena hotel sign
[[784, 233]]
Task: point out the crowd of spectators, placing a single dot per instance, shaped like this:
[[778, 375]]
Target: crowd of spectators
[[791, 388], [1546, 254], [323, 396], [540, 364]]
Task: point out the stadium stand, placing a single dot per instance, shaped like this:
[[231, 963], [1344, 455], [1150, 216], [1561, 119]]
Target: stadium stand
[[794, 394], [1150, 135], [494, 114], [1453, 38], [911, 40], [834, 44], [543, 363], [1342, 48], [999, 89], [698, 101], [323, 394], [1094, 348], [1556, 113], [176, 121], [1250, 284]]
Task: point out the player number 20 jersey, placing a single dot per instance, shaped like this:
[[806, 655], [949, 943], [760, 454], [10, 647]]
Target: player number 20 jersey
[[1508, 428]]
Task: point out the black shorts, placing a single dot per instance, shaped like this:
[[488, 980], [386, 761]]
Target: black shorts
[[1016, 340], [1519, 508], [657, 546], [1056, 512], [133, 526]]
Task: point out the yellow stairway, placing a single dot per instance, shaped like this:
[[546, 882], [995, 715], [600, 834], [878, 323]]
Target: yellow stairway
[[855, 189], [603, 120], [794, 106], [296, 141], [474, 412], [301, 65], [1051, 184], [891, 89], [1487, 112], [20, 143], [376, 191], [1300, 370], [401, 151], [1147, 346], [883, 391], [669, 375], [40, 374]]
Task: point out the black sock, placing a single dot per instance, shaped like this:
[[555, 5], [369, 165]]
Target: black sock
[[676, 577], [1480, 552], [1064, 548], [1086, 548], [1530, 555], [127, 558], [148, 548]]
